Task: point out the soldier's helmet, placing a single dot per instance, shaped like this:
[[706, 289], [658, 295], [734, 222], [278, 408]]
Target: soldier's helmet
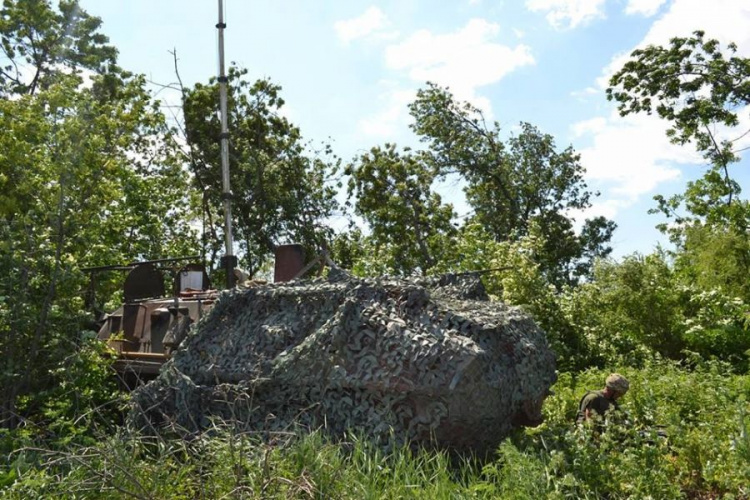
[[617, 382]]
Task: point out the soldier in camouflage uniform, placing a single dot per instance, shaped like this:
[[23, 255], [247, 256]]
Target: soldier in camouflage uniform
[[600, 402]]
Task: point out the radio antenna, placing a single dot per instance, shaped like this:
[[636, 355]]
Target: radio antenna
[[229, 260]]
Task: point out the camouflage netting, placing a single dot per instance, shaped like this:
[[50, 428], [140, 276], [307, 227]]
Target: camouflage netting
[[429, 361]]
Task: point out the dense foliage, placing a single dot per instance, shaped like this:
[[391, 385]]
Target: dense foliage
[[281, 193], [705, 414], [703, 93], [38, 42], [88, 176], [514, 188], [393, 193], [92, 173]]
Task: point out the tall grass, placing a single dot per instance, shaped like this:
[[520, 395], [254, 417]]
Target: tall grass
[[705, 413]]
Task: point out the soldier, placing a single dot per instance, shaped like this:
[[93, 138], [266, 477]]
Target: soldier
[[600, 402]]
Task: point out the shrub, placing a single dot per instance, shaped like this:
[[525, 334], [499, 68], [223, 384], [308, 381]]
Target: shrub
[[705, 412]]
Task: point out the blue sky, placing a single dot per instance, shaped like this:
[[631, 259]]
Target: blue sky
[[348, 70]]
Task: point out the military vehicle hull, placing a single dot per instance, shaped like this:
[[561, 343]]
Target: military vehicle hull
[[149, 327]]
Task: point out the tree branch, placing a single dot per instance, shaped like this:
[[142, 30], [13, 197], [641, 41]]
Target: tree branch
[[723, 164]]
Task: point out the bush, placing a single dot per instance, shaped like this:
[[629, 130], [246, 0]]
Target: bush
[[705, 412], [83, 397]]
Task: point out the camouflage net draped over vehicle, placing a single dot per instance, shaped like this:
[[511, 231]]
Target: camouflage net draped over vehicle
[[429, 361]]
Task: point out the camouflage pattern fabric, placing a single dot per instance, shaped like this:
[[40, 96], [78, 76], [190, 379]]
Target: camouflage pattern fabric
[[429, 361], [617, 382]]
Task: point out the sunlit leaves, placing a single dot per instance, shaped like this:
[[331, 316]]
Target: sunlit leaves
[[514, 185], [282, 190], [690, 83], [699, 88], [40, 43], [88, 176], [393, 193]]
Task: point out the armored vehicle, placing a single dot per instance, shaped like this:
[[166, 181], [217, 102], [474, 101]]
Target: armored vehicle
[[151, 323]]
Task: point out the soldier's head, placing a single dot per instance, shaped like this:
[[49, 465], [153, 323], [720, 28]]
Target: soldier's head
[[616, 385]]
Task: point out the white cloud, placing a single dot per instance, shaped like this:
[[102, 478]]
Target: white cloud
[[463, 60], [583, 95], [372, 23], [392, 117], [568, 13], [725, 20], [590, 126], [605, 208], [644, 7], [631, 156], [740, 134]]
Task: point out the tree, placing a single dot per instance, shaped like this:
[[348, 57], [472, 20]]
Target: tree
[[512, 185], [699, 89], [83, 181], [40, 43], [695, 87], [280, 192], [713, 258], [639, 298], [691, 84], [361, 254], [393, 195]]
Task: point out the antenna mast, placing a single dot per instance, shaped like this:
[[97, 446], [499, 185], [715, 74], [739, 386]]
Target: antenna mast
[[229, 260]]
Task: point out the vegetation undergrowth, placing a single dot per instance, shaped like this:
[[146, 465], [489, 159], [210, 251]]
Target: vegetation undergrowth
[[704, 412]]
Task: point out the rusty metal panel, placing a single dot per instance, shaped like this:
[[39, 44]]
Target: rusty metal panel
[[290, 260], [134, 321], [144, 282]]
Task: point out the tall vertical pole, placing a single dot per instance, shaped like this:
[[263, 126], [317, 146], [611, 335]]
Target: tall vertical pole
[[229, 260]]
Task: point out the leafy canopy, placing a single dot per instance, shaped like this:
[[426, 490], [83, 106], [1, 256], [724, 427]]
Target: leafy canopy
[[393, 194], [702, 90], [515, 185], [692, 84], [281, 192], [89, 175], [40, 42]]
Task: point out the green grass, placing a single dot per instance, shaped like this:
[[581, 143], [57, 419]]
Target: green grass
[[707, 455]]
